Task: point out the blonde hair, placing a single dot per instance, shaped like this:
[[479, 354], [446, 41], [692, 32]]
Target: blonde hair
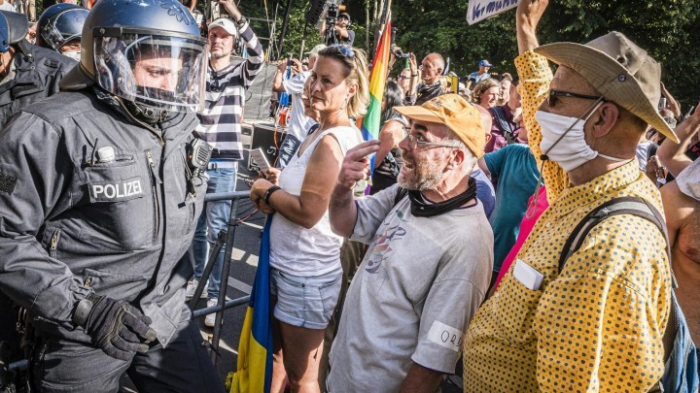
[[355, 71], [482, 86]]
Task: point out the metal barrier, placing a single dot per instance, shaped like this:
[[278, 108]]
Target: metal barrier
[[225, 238]]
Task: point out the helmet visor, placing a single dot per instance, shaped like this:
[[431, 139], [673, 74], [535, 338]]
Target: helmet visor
[[63, 28], [155, 70]]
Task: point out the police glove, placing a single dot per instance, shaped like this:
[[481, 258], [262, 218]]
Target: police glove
[[115, 326]]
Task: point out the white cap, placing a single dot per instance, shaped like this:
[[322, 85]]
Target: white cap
[[226, 24]]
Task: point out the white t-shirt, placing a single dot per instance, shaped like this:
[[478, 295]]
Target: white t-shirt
[[293, 248], [413, 296], [299, 123]]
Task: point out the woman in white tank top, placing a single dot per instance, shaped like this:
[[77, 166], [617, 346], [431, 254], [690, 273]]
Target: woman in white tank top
[[304, 252]]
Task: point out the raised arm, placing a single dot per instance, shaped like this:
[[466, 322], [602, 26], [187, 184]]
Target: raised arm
[[389, 136], [255, 59], [535, 77], [277, 83], [672, 154], [527, 18]]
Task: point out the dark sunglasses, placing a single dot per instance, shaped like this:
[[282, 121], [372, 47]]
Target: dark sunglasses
[[555, 95]]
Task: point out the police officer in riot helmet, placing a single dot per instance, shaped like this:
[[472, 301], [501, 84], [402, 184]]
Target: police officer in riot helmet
[[60, 27], [27, 73], [99, 197]]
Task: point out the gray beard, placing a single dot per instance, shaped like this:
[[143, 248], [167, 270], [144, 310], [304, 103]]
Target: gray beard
[[426, 177]]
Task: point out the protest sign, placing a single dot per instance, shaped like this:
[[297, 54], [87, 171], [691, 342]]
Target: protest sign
[[481, 9]]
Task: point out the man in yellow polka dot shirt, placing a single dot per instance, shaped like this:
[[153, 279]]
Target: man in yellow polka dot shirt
[[596, 326]]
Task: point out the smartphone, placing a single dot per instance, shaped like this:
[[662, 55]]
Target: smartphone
[[662, 103], [260, 159]]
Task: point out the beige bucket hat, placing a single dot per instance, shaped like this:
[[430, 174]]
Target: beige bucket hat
[[620, 70]]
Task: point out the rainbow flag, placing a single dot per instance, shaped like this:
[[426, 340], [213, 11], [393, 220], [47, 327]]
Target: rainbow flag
[[254, 368], [377, 82]]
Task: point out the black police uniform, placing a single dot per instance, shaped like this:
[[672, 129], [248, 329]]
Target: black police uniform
[[71, 223], [37, 74], [95, 203]]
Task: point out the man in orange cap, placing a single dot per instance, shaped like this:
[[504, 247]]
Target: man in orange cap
[[429, 259]]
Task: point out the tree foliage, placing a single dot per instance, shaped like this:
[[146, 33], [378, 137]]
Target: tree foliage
[[666, 29]]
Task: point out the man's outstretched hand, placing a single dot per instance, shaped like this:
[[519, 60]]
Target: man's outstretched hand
[[527, 17], [356, 166]]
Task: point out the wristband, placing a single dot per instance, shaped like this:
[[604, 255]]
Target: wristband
[[82, 310], [241, 22], [268, 193], [414, 74]]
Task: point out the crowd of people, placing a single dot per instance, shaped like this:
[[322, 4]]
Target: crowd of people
[[458, 233]]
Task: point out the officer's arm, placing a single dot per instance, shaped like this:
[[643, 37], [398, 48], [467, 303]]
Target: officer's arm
[[35, 174], [254, 61]]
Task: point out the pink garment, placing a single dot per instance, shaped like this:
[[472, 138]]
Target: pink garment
[[526, 226]]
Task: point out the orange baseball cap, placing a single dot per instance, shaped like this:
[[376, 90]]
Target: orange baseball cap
[[457, 114]]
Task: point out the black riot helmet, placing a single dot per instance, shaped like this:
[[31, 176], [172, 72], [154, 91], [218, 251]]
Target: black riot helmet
[[4, 35], [16, 26], [60, 24], [147, 53]]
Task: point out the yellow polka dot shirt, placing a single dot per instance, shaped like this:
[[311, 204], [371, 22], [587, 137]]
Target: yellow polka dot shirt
[[597, 326]]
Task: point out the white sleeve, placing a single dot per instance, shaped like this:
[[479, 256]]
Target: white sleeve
[[295, 84]]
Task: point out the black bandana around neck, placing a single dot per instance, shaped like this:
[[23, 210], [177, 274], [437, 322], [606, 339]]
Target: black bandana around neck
[[421, 208]]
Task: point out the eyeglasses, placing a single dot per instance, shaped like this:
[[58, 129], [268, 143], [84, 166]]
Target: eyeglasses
[[554, 96], [345, 50], [418, 140]]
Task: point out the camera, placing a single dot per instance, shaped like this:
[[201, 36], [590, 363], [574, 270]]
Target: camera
[[332, 14], [396, 50]]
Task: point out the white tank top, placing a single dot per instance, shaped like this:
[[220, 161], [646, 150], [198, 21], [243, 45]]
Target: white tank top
[[293, 248]]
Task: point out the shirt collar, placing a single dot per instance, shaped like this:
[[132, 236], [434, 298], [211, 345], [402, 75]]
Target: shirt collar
[[603, 186]]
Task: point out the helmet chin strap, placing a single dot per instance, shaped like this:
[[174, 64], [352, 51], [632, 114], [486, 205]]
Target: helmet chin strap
[[129, 107], [148, 114]]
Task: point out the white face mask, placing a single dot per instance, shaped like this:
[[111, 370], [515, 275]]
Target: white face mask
[[75, 55], [563, 139]]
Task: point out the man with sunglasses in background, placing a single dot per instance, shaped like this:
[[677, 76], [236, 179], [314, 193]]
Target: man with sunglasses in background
[[595, 324], [429, 259]]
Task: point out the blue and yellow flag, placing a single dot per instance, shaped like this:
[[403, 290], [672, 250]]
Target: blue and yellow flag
[[254, 370]]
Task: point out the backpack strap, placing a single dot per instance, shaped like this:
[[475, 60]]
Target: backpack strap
[[624, 205], [499, 115], [679, 350]]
